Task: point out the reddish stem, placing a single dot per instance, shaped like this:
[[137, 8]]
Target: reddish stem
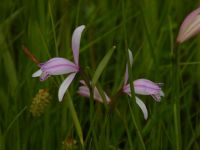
[[30, 55]]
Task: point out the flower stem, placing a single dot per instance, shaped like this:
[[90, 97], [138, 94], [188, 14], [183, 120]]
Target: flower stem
[[176, 104], [136, 127], [133, 106], [85, 78]]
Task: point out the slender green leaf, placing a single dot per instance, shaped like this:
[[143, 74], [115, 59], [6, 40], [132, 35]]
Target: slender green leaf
[[102, 65], [75, 118]]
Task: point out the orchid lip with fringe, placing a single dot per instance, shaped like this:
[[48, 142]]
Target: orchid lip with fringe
[[60, 66], [145, 87], [190, 26], [55, 66], [142, 87]]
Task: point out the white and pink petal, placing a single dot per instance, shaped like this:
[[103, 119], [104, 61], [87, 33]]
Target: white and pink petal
[[76, 37], [142, 107], [131, 61], [64, 86], [59, 66], [84, 91], [146, 87], [37, 73], [190, 26]]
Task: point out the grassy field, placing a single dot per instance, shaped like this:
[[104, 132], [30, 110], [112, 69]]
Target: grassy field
[[32, 118]]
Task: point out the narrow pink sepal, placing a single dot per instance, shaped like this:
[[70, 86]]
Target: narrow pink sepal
[[142, 107], [131, 61], [76, 37], [64, 86]]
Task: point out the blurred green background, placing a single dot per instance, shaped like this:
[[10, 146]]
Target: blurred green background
[[148, 28]]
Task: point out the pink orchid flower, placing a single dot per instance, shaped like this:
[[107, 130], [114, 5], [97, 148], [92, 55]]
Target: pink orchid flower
[[60, 66], [84, 91], [190, 26], [142, 87]]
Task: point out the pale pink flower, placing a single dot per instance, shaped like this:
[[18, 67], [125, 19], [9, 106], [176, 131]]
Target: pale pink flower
[[142, 87], [190, 26], [84, 91], [60, 66]]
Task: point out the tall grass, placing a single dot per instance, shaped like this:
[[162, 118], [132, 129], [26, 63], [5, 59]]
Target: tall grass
[[148, 28]]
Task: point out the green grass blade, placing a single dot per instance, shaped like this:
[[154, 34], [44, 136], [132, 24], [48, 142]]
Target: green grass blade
[[15, 119], [8, 64], [75, 118], [102, 66]]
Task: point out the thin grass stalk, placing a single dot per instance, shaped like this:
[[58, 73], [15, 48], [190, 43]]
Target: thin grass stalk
[[53, 28], [176, 92], [78, 12], [126, 128], [75, 118]]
